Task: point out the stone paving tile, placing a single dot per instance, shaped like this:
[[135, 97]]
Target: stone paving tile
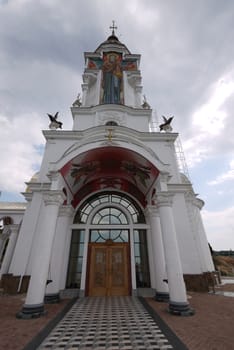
[[212, 326], [107, 323]]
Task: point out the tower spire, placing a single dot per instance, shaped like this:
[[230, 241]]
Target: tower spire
[[113, 27]]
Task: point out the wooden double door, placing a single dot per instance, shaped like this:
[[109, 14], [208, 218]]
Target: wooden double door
[[109, 269]]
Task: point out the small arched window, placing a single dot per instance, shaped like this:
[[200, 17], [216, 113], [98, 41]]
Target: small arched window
[[111, 123]]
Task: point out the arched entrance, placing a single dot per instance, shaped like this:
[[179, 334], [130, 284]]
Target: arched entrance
[[109, 246]]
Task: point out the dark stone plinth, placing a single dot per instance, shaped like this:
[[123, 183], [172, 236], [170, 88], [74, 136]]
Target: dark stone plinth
[[31, 311], [161, 296], [52, 298], [180, 309]]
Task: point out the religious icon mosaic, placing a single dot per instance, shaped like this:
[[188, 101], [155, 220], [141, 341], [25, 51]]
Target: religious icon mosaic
[[112, 65]]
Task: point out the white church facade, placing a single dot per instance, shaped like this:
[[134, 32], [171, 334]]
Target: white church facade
[[109, 213]]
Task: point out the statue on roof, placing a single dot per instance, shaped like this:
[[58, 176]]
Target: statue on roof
[[77, 102], [145, 104], [54, 123], [166, 126]]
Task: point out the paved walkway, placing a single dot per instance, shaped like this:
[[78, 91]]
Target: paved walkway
[[108, 323]]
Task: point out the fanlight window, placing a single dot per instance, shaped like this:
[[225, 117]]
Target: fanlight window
[[109, 215]]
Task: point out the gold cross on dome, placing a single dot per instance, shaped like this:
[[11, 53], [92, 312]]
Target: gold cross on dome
[[110, 134], [113, 27]]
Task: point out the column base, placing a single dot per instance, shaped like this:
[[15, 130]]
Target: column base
[[31, 311], [161, 296], [180, 309], [52, 298]]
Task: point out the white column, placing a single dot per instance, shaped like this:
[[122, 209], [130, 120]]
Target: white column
[[10, 248], [133, 264], [162, 293], [178, 303], [138, 92], [65, 258], [150, 258], [84, 264], [85, 88], [201, 236], [3, 238], [34, 304], [26, 235], [53, 288]]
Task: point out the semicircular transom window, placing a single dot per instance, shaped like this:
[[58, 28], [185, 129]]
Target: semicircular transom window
[[111, 123], [109, 216]]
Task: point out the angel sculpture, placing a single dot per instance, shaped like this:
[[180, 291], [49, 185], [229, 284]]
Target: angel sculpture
[[54, 123], [77, 102], [145, 104], [166, 126]]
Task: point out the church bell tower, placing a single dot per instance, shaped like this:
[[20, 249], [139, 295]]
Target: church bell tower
[[109, 212], [111, 77]]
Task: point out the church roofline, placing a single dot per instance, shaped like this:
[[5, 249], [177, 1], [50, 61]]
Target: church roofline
[[88, 54], [12, 206], [112, 44], [112, 107], [123, 130]]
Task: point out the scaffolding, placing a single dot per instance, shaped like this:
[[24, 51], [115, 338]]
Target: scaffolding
[[183, 168]]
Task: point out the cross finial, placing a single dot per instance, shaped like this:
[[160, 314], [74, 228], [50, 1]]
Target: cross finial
[[113, 27], [110, 135]]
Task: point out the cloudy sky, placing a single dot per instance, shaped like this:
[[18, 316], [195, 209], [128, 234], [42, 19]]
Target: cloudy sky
[[187, 67]]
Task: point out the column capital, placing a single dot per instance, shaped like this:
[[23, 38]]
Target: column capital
[[199, 203], [189, 196], [66, 210], [53, 175], [55, 178], [53, 197], [164, 199], [28, 196], [192, 198], [162, 181], [152, 210]]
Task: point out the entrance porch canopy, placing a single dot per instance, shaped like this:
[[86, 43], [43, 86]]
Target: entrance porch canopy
[[109, 168]]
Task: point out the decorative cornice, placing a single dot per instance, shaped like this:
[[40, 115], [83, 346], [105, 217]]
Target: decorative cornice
[[103, 117], [180, 188], [38, 186], [27, 196], [80, 135], [12, 207], [111, 107]]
